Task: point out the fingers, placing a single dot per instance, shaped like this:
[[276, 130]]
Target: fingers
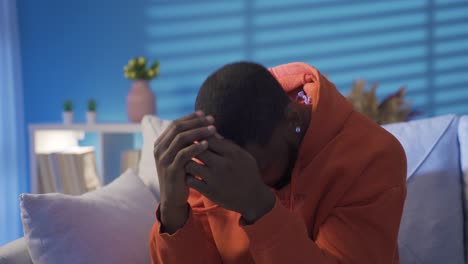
[[184, 124], [185, 155], [198, 185], [193, 115], [187, 138], [198, 113], [181, 126], [222, 146], [208, 157], [194, 169], [194, 120]]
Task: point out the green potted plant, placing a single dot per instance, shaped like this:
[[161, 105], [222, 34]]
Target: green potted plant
[[67, 114], [140, 99], [91, 113]]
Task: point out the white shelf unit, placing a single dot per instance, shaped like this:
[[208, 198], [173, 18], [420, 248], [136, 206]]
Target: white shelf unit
[[112, 139]]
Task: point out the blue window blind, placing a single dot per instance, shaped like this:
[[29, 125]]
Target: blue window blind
[[420, 44]]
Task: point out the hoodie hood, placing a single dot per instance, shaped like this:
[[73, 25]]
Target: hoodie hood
[[330, 108]]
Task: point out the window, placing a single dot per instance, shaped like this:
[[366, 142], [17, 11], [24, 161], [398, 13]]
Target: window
[[421, 44]]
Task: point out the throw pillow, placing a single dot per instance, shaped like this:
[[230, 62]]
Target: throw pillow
[[109, 225]]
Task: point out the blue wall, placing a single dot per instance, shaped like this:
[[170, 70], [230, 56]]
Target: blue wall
[[76, 49]]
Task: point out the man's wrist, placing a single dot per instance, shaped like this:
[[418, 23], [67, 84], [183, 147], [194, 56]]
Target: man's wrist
[[260, 206], [173, 218]]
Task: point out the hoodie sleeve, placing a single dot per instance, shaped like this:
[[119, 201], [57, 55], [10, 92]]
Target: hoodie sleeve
[[363, 231], [190, 244]]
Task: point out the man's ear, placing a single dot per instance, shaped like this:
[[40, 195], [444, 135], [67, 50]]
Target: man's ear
[[293, 116], [294, 122]]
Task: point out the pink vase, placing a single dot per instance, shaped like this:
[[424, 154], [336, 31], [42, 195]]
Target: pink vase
[[140, 101]]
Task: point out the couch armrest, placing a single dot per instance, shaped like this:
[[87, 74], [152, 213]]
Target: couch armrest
[[15, 252]]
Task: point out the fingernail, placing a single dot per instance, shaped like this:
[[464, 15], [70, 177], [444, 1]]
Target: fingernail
[[211, 128], [199, 113], [204, 143], [210, 119]]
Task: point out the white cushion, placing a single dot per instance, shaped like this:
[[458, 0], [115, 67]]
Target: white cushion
[[463, 140], [431, 230], [152, 127], [419, 138], [109, 225]]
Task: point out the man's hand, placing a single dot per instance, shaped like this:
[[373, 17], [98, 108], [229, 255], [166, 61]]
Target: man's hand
[[231, 178], [172, 150]]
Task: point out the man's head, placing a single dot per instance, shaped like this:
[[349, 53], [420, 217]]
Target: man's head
[[251, 109]]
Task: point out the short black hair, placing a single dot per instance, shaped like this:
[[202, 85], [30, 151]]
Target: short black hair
[[246, 101]]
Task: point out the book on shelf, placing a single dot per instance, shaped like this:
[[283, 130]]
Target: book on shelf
[[47, 183], [83, 169], [72, 171]]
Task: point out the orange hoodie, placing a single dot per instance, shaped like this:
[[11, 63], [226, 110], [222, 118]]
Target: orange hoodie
[[343, 205]]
